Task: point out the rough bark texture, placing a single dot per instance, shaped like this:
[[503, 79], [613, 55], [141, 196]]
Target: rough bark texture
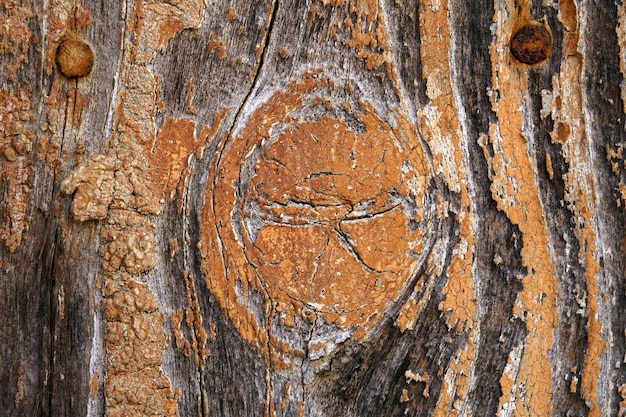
[[312, 208]]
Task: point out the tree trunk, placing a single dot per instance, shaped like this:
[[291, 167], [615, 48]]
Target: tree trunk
[[312, 208]]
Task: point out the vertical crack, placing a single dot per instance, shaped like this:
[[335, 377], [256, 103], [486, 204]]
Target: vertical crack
[[48, 254], [46, 258], [304, 368], [259, 67]]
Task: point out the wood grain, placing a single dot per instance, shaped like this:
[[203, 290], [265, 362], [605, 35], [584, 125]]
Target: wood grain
[[312, 208]]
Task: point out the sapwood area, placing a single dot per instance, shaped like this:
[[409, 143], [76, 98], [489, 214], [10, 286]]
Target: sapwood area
[[312, 208]]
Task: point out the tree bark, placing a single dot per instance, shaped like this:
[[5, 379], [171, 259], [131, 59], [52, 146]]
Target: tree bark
[[312, 208]]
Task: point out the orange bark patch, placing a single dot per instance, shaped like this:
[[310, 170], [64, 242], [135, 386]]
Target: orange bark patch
[[176, 142], [580, 193], [217, 47], [15, 37], [191, 93], [528, 384], [181, 343], [19, 394], [16, 150], [441, 128], [134, 344], [94, 384], [367, 34], [335, 3], [232, 15], [168, 29], [568, 14], [199, 336], [16, 137], [128, 243]]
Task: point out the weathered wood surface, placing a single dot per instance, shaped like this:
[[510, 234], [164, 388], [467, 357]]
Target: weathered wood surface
[[312, 208]]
